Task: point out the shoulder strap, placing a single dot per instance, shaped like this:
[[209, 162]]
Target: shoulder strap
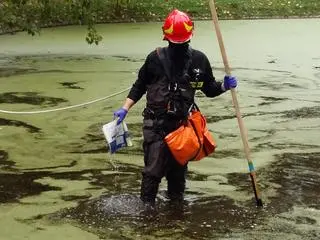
[[165, 61], [188, 64]]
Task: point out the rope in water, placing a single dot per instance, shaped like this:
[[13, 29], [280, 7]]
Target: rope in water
[[65, 108]]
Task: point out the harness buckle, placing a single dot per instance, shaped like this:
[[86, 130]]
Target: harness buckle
[[174, 87]]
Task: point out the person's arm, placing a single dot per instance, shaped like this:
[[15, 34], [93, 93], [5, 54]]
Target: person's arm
[[128, 104], [140, 85], [213, 88], [121, 113], [136, 92]]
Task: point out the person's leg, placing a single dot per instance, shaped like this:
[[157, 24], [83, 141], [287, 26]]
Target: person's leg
[[149, 188], [153, 171], [176, 177]]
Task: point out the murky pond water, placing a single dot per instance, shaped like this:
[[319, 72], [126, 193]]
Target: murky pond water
[[57, 180]]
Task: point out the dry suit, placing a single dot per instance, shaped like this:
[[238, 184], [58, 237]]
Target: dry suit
[[170, 88]]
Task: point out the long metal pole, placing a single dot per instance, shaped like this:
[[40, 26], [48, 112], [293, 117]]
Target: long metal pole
[[243, 131]]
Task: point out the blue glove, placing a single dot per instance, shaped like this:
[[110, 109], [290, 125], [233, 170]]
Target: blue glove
[[120, 114], [229, 82]]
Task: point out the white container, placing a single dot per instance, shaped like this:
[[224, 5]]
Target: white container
[[117, 136]]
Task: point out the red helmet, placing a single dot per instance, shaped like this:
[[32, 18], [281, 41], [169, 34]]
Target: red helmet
[[178, 27]]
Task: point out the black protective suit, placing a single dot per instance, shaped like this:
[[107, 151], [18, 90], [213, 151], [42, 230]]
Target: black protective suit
[[190, 70]]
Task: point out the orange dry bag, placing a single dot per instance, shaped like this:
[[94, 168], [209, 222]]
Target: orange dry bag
[[209, 144], [191, 141]]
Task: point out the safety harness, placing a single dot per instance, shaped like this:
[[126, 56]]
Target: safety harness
[[191, 141], [181, 93]]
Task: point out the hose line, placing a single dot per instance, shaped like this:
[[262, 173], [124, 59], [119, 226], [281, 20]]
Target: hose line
[[66, 108]]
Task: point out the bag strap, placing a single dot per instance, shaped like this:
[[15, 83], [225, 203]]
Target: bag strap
[[199, 141]]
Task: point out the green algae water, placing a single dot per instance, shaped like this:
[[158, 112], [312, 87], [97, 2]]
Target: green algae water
[[58, 181]]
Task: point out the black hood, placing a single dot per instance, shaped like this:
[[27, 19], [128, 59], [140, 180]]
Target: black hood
[[178, 50], [179, 55]]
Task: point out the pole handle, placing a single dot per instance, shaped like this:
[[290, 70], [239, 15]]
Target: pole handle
[[242, 128], [228, 72]]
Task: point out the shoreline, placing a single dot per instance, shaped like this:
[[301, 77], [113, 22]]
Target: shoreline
[[195, 19]]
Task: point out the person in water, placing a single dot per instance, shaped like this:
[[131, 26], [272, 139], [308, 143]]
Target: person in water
[[169, 77]]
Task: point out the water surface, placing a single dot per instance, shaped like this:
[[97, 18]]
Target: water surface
[[57, 179]]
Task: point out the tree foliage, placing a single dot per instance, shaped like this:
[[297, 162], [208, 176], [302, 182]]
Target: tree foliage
[[31, 15]]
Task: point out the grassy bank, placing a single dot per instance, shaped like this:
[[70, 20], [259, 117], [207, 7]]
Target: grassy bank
[[31, 15], [227, 9]]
